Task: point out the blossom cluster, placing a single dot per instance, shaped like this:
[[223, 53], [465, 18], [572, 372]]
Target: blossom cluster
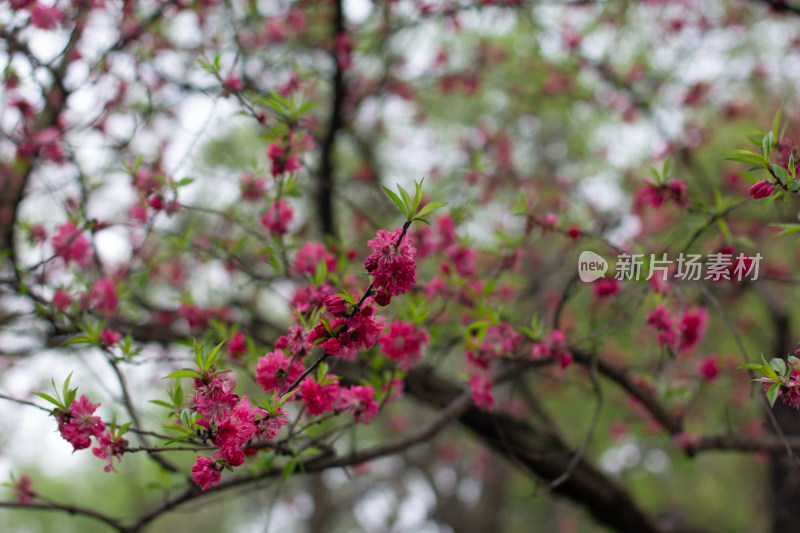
[[77, 425], [232, 422], [680, 334]]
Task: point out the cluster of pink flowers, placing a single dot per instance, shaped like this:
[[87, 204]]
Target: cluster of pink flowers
[[481, 389], [347, 332], [214, 398], [109, 447], [276, 368], [498, 341], [43, 16], [682, 334], [605, 287], [790, 389], [310, 254], [360, 401], [392, 266], [23, 491], [109, 337], [654, 196], [233, 422], [307, 299], [104, 297], [252, 187], [199, 318], [320, 397], [149, 183], [708, 369], [329, 396], [70, 244], [553, 345], [234, 429], [402, 342], [206, 472], [283, 160], [237, 345], [78, 425], [278, 217]]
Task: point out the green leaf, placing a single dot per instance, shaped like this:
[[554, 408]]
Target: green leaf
[[178, 428], [766, 144], [776, 121], [665, 168], [779, 365], [48, 398], [396, 199], [744, 151], [779, 194], [429, 207], [77, 340], [768, 371], [198, 354], [286, 397], [184, 373], [787, 228], [267, 460], [161, 403], [743, 159], [780, 172], [309, 451], [772, 393], [65, 390], [320, 273], [406, 199], [417, 196], [177, 439], [322, 369], [751, 366], [213, 357], [290, 467]]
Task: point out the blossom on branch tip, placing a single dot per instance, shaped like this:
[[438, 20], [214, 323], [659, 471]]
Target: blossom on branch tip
[[309, 256], [77, 426], [274, 368], [708, 368], [23, 492], [104, 296], [761, 189], [206, 472], [392, 267], [402, 342], [270, 425], [481, 389], [214, 399], [360, 401], [319, 398], [70, 244], [282, 161], [278, 217], [109, 337], [234, 430], [108, 448]]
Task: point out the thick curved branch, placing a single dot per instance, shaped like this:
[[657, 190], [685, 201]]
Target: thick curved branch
[[325, 185], [69, 509], [545, 458], [620, 376]]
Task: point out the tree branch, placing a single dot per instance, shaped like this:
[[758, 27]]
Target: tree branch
[[325, 183]]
